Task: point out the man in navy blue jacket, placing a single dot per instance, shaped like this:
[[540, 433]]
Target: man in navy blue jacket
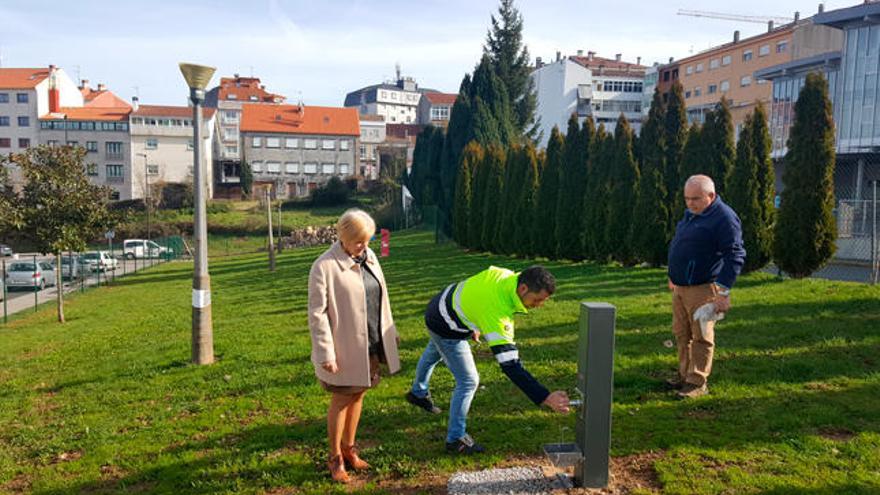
[[705, 257]]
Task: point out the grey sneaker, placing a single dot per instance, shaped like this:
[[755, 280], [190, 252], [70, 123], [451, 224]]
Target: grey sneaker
[[425, 403], [691, 391]]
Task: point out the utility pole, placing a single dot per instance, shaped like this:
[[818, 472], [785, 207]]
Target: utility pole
[[271, 241], [280, 236]]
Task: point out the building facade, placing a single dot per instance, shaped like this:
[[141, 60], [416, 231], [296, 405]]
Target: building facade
[[436, 108], [396, 102], [294, 149], [228, 98], [162, 147], [589, 86], [372, 136]]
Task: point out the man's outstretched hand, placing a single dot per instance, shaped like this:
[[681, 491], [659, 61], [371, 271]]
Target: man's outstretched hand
[[558, 401]]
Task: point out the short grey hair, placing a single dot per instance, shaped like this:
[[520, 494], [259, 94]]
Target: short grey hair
[[355, 224], [704, 182]]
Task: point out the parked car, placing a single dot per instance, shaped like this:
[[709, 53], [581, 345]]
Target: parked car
[[28, 275], [99, 261], [142, 248], [6, 250], [72, 267]]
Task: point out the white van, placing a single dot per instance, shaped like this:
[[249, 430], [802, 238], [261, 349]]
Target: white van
[[142, 248]]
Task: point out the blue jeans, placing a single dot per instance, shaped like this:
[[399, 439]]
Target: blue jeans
[[458, 358]]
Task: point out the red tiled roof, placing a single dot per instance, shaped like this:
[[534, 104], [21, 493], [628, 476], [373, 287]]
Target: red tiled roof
[[371, 118], [169, 111], [293, 119], [243, 88], [104, 99], [607, 63], [89, 113], [22, 78], [441, 98]]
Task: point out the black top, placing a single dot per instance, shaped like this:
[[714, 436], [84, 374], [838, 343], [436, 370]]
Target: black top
[[373, 291]]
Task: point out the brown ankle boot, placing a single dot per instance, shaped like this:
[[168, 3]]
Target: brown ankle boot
[[350, 453], [337, 469]]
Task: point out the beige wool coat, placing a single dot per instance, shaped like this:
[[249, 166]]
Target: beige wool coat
[[338, 318]]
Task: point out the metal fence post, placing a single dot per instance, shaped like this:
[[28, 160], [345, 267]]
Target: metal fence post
[[36, 292], [875, 262], [5, 311]]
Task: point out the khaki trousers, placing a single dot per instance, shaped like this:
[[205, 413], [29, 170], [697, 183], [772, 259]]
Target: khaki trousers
[[695, 350]]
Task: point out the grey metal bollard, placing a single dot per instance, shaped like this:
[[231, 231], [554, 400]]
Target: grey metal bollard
[[596, 382]]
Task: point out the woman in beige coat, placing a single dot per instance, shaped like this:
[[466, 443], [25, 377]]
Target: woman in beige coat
[[352, 333]]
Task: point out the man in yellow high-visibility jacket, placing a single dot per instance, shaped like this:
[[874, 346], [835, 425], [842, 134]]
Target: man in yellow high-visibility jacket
[[484, 304]]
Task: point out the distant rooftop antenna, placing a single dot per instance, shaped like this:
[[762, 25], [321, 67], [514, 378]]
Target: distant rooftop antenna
[[397, 70]]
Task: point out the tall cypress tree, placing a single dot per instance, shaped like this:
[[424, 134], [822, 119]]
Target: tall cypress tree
[[720, 151], [548, 195], [510, 62], [693, 159], [805, 229], [675, 135], [527, 207], [417, 180], [492, 196], [472, 155], [762, 250], [492, 115], [479, 179], [459, 132], [596, 197], [623, 186], [572, 185], [650, 241], [514, 175]]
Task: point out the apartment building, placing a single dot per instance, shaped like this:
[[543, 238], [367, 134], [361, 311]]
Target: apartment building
[[294, 149], [397, 102], [162, 146], [590, 86], [373, 134], [228, 98], [436, 108]]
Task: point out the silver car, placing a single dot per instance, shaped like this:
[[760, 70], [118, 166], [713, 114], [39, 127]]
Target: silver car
[[27, 275], [99, 261], [72, 267]]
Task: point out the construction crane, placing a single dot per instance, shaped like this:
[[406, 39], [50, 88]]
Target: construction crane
[[736, 17]]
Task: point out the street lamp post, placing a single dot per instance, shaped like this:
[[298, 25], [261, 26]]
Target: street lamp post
[[197, 78], [147, 196]]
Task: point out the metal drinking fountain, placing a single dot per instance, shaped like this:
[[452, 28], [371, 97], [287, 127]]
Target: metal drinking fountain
[[595, 383]]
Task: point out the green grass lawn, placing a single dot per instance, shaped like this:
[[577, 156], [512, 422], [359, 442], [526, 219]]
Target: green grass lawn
[[108, 403]]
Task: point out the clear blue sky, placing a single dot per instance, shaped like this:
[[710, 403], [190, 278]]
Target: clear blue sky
[[321, 50]]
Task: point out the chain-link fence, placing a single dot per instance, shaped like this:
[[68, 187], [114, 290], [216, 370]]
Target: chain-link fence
[[28, 281]]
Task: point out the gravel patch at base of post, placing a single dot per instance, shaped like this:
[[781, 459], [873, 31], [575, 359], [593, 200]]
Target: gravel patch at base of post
[[518, 480]]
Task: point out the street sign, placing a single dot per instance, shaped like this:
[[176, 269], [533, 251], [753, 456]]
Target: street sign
[[109, 234]]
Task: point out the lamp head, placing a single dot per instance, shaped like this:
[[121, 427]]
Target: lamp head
[[197, 76]]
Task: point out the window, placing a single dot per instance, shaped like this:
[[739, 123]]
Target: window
[[273, 167], [5, 143], [328, 144], [440, 113], [52, 142], [687, 94], [344, 144], [697, 92], [4, 97], [328, 168], [393, 96], [273, 142], [310, 168], [232, 96], [745, 81], [762, 81], [114, 196], [781, 46], [343, 168], [152, 143], [384, 94], [24, 121], [725, 85], [713, 64], [747, 55], [92, 169], [230, 134], [189, 145], [712, 89], [665, 77], [689, 70], [92, 146], [256, 141], [291, 143], [310, 144], [152, 170], [699, 67], [4, 121], [253, 98], [24, 142], [113, 148], [137, 120], [764, 50], [257, 166], [230, 116], [725, 60], [87, 126], [73, 143], [291, 167], [363, 151], [232, 150], [115, 171], [21, 97]]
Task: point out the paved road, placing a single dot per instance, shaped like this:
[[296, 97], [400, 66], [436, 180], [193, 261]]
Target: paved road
[[21, 300]]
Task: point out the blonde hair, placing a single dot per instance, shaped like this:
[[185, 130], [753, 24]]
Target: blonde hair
[[355, 224]]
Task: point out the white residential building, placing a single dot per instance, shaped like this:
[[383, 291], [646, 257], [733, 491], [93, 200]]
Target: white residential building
[[397, 103]]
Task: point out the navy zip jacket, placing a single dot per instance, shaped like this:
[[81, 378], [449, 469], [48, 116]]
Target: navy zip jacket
[[707, 247]]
